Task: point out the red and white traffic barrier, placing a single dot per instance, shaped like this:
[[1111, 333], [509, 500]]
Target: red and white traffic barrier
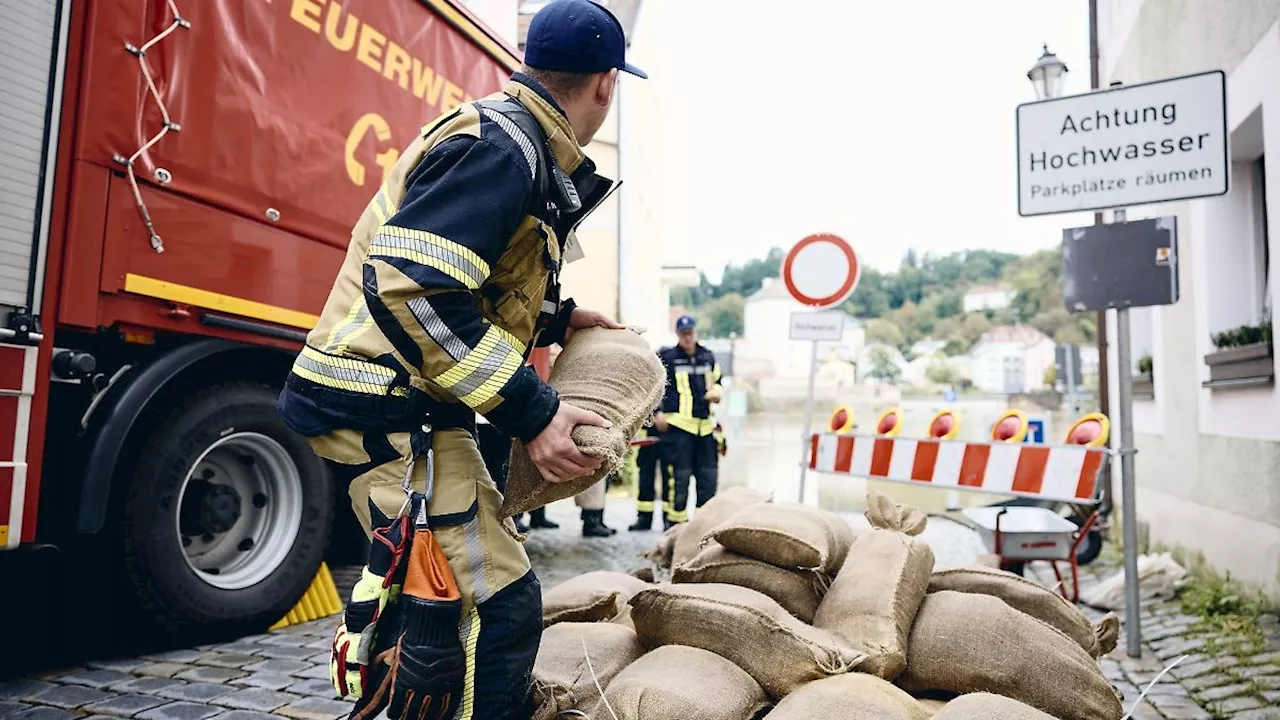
[[1066, 473]]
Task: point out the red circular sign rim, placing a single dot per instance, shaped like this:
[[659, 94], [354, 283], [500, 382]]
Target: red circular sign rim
[[850, 282]]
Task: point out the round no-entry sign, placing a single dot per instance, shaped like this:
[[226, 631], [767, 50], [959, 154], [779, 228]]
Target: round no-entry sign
[[821, 271]]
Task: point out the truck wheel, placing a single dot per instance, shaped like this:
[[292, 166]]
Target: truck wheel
[[227, 514]]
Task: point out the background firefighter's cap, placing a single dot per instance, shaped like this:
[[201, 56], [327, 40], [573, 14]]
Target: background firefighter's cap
[[685, 322], [577, 36]]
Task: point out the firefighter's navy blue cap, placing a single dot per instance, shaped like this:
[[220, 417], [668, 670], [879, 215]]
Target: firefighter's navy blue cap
[[577, 36], [685, 322]]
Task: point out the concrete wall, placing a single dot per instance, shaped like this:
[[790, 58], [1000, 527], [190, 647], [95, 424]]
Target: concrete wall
[[593, 280], [1208, 463]]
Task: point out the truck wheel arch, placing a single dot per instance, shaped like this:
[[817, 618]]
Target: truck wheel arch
[[119, 416]]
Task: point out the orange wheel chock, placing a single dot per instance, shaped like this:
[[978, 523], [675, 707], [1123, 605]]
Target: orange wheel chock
[[1011, 427], [1092, 430], [945, 425], [890, 422], [841, 420]]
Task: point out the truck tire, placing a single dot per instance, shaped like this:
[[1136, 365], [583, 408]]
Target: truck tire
[[227, 515]]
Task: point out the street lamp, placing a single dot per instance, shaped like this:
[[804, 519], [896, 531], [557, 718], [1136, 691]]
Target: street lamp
[[1048, 75]]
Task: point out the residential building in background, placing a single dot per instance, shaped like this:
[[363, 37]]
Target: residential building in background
[[1011, 359], [987, 297], [767, 329], [1208, 462]]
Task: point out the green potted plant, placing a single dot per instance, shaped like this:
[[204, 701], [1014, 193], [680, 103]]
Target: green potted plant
[[1144, 383], [1242, 356]]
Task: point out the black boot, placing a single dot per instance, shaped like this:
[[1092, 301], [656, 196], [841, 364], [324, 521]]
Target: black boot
[[520, 526], [644, 521], [593, 524], [538, 519]]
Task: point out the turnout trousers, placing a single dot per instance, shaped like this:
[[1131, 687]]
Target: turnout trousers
[[648, 462], [686, 455], [501, 623]]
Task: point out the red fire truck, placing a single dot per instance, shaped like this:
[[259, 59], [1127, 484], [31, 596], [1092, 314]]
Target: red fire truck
[[178, 180]]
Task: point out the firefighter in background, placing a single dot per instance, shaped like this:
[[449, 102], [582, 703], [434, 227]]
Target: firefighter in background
[[450, 279], [647, 459], [689, 443]]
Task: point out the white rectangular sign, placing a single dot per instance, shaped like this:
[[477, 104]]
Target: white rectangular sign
[[1155, 142], [817, 326]]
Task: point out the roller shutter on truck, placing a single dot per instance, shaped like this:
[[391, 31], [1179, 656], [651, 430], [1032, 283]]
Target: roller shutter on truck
[[30, 32]]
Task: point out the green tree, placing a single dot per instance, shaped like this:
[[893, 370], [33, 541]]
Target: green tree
[[882, 365], [723, 316], [883, 331], [940, 372]]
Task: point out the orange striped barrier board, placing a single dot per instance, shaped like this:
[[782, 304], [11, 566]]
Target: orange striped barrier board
[[1066, 473]]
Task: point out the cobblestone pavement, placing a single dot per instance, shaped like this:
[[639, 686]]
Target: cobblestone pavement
[[285, 673]]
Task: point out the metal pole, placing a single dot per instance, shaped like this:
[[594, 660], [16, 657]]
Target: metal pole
[[1128, 489], [1104, 384], [1071, 379], [808, 419]]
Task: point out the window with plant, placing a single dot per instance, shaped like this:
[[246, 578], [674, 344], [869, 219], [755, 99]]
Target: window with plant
[[1245, 335]]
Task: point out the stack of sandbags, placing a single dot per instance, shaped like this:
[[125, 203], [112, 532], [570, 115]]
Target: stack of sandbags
[[708, 517], [745, 627], [1035, 600], [853, 696], [662, 553], [874, 599], [681, 683], [966, 642], [613, 373], [590, 597], [786, 551], [573, 658]]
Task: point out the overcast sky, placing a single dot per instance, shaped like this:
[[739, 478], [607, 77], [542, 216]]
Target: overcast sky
[[889, 123]]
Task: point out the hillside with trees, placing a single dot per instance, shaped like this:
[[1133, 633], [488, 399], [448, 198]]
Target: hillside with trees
[[922, 299]]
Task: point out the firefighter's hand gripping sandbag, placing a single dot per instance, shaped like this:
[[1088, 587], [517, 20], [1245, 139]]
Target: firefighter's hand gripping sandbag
[[398, 647]]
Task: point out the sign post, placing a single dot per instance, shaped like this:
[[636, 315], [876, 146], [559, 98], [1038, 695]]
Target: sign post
[[1154, 142], [820, 271]]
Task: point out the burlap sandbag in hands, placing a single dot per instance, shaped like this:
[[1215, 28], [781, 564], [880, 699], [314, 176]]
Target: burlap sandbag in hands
[[662, 553], [681, 683], [964, 642], [853, 696], [572, 658], [1033, 599], [710, 516], [797, 591], [985, 706], [612, 373], [745, 627], [590, 597], [874, 598], [787, 535]]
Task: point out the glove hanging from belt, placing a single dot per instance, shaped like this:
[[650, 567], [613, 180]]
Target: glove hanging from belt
[[406, 656]]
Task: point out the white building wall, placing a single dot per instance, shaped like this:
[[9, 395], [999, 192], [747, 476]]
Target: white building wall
[[1208, 463], [500, 15]]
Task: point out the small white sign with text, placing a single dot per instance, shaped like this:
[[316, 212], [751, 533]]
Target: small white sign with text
[[828, 326]]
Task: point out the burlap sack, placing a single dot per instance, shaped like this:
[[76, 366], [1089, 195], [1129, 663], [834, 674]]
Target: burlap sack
[[1031, 598], [745, 627], [787, 535], [572, 658], [931, 705], [985, 706], [963, 642], [710, 516], [853, 696], [874, 598], [681, 683], [797, 591], [590, 597], [613, 373], [662, 553], [624, 619]]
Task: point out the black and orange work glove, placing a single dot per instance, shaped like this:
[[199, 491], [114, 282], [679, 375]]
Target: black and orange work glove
[[429, 669]]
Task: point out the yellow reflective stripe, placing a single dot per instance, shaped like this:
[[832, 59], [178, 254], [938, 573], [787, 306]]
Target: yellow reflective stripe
[[368, 588], [357, 321], [694, 426], [479, 375], [644, 506], [686, 394], [469, 684], [715, 374], [431, 250], [343, 373]]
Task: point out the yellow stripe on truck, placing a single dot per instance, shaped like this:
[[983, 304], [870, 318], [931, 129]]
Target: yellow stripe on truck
[[173, 292]]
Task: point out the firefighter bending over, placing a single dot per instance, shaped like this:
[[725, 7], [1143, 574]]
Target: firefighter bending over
[[450, 280]]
